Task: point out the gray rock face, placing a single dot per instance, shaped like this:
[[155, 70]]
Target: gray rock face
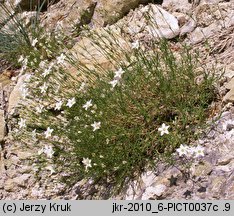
[[109, 11], [9, 185], [2, 114], [182, 6], [96, 13], [200, 34], [230, 84], [16, 94], [2, 125], [22, 180], [188, 27], [210, 1], [229, 97], [158, 23], [211, 19]]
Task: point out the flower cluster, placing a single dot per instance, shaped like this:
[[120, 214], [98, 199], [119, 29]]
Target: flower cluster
[[22, 123], [117, 77], [48, 150], [87, 163], [187, 151]]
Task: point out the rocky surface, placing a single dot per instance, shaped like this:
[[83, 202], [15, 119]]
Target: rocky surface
[[211, 19], [90, 54], [16, 95], [229, 97], [2, 125], [172, 5], [208, 178], [211, 177], [157, 24], [72, 13]]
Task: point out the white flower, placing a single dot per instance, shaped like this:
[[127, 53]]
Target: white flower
[[34, 42], [22, 123], [58, 105], [191, 151], [77, 118], [87, 163], [21, 58], [113, 83], [199, 151], [183, 150], [163, 129], [116, 168], [71, 102], [39, 108], [24, 92], [43, 88], [82, 86], [87, 104], [135, 45], [48, 132], [96, 126], [48, 150], [119, 73], [46, 72], [61, 58]]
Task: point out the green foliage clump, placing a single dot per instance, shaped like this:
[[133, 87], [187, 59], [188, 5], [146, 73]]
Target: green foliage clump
[[111, 124]]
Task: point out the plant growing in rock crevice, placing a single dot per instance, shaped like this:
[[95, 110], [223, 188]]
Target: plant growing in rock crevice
[[111, 124]]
